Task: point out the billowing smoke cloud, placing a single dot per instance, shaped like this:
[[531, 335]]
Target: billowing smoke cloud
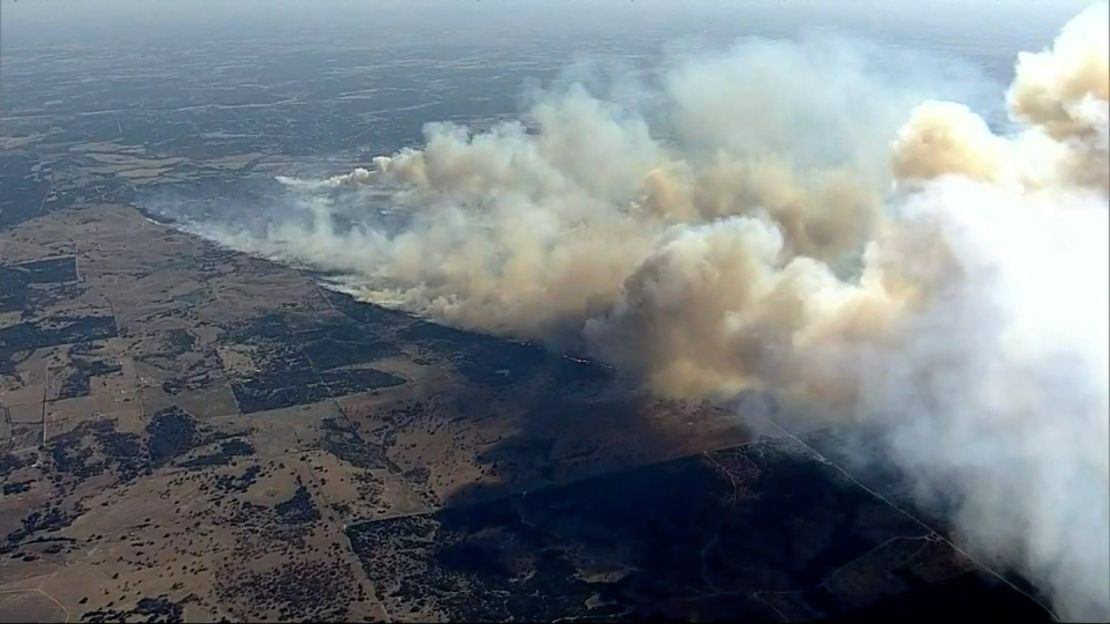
[[785, 229]]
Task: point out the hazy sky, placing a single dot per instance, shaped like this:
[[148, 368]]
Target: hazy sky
[[28, 22]]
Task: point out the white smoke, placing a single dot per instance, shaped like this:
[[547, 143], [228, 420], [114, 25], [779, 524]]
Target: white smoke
[[997, 397], [753, 242]]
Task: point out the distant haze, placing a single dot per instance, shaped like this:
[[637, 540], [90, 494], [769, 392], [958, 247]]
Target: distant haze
[[996, 28]]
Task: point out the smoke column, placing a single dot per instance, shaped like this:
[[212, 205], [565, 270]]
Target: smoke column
[[788, 229]]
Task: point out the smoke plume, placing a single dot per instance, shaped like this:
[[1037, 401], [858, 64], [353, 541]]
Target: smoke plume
[[774, 221]]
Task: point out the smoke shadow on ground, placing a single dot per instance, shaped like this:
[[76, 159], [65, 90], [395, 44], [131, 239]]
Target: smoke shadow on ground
[[755, 533], [566, 418]]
